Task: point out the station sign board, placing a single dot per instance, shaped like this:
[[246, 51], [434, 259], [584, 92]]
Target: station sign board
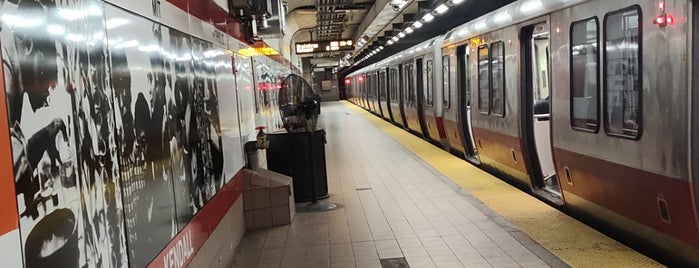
[[324, 46]]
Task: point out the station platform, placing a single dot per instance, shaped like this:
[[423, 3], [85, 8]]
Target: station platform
[[406, 203]]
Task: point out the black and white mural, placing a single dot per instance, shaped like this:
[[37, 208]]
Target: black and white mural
[[140, 84], [61, 114], [193, 122], [117, 128], [206, 137], [168, 128]]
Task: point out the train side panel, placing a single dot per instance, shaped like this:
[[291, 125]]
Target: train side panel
[[639, 181]]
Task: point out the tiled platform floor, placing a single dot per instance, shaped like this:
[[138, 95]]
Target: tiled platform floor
[[393, 205]]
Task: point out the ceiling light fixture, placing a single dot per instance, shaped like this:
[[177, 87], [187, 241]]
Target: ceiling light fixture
[[441, 9]]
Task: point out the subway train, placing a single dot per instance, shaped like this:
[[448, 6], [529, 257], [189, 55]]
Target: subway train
[[585, 104]]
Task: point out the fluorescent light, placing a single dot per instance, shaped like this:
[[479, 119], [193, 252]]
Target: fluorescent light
[[395, 39], [441, 9], [417, 24], [456, 2], [409, 30], [380, 47], [401, 34], [389, 42], [428, 17]]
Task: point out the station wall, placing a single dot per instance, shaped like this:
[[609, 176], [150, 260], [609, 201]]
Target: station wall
[[121, 131]]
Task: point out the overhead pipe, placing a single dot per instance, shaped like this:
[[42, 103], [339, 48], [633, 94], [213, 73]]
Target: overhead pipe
[[358, 6]]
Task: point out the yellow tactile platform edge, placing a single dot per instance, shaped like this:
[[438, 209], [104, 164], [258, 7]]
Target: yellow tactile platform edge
[[571, 241]]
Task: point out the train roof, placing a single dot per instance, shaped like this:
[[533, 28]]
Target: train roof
[[514, 13], [409, 53]]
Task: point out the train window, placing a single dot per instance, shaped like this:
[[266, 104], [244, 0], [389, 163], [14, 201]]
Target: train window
[[446, 79], [483, 80], [497, 72], [429, 100], [622, 73], [584, 75]]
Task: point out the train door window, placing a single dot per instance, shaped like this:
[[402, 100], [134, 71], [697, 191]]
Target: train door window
[[465, 75], [370, 84], [389, 77], [483, 80], [584, 75], [622, 69], [382, 86], [497, 71], [374, 86], [378, 85], [446, 79], [377, 88], [392, 84], [429, 99], [405, 85], [541, 55], [385, 85], [393, 94], [410, 83]]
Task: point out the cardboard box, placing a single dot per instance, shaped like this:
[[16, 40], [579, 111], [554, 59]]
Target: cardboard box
[[268, 199]]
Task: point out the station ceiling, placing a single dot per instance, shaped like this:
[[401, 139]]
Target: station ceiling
[[376, 21]]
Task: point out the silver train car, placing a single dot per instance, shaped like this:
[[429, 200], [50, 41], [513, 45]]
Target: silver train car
[[586, 104]]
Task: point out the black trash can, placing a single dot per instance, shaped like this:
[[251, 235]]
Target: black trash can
[[300, 155]]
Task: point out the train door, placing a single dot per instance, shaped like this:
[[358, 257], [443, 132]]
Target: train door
[[536, 107], [464, 76], [393, 99], [418, 96], [381, 80]]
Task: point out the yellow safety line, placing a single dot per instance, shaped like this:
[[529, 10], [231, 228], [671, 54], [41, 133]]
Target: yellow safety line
[[574, 243]]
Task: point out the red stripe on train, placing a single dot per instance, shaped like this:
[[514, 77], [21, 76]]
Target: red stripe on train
[[440, 127], [632, 193]]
